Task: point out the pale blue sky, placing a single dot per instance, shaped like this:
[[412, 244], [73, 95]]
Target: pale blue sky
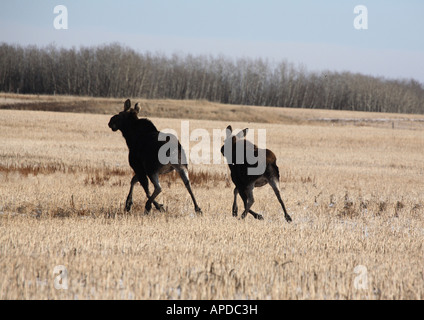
[[318, 34]]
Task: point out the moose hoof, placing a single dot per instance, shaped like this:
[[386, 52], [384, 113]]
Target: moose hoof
[[259, 217], [288, 218], [160, 207], [198, 211], [147, 209]]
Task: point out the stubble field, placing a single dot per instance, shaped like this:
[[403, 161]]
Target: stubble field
[[353, 188]]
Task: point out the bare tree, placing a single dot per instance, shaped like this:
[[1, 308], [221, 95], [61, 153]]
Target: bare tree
[[116, 71]]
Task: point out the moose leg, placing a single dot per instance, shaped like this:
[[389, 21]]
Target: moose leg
[[184, 176], [275, 186], [145, 184], [129, 201], [256, 215], [248, 200], [235, 208], [154, 178]]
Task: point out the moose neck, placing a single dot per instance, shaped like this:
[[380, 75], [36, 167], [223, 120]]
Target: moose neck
[[129, 131], [134, 130]]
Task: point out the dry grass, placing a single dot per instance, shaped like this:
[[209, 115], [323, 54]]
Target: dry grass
[[355, 194]]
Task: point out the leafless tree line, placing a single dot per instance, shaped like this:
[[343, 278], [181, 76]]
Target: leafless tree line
[[117, 71]]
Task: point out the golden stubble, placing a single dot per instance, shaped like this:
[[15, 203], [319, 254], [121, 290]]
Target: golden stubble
[[355, 194]]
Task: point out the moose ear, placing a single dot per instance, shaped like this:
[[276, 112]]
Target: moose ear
[[229, 131], [127, 105], [242, 133], [137, 108]]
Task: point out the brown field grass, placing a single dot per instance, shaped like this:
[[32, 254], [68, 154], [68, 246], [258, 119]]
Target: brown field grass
[[205, 110], [353, 189]]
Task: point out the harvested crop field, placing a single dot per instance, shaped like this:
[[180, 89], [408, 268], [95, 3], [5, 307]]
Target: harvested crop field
[[353, 188]]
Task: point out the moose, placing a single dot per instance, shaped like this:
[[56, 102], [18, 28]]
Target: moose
[[244, 181], [144, 144]]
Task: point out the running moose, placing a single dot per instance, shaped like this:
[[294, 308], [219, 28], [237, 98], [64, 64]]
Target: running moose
[[245, 182], [143, 142]]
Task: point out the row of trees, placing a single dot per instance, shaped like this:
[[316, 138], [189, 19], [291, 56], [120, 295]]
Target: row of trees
[[117, 71]]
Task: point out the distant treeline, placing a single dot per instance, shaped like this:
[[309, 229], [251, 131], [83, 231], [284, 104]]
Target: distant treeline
[[117, 71]]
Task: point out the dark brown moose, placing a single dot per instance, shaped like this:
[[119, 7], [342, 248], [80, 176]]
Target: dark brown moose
[[144, 144], [240, 166]]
